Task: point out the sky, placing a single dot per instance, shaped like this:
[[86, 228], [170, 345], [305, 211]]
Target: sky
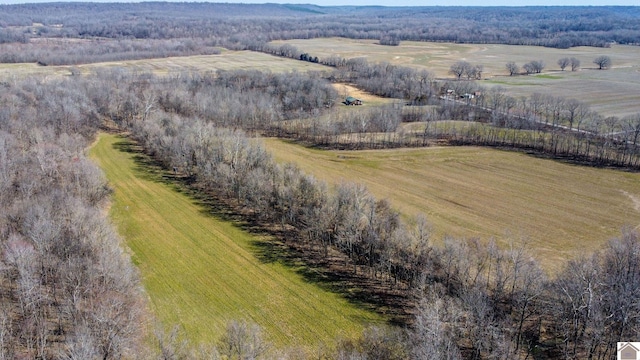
[[405, 2]]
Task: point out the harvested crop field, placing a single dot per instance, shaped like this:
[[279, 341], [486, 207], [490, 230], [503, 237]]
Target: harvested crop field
[[227, 60], [561, 210]]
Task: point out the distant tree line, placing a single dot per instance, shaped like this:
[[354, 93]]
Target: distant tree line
[[188, 28], [62, 52]]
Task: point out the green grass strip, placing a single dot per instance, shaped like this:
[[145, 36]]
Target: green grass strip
[[200, 271]]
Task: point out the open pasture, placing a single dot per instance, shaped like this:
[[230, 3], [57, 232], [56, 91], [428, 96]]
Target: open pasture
[[201, 271], [227, 60], [610, 92], [561, 210]]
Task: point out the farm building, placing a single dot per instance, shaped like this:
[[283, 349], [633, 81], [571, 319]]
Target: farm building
[[352, 101]]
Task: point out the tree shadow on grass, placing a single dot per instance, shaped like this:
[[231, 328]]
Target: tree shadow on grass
[[336, 274], [150, 169], [277, 244]]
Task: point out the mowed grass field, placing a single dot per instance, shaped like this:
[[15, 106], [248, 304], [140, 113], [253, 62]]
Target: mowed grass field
[[201, 272], [561, 210], [227, 60], [612, 92]]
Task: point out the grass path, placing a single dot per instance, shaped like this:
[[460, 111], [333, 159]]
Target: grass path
[[200, 272], [562, 210]]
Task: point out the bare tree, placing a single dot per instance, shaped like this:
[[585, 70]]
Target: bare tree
[[376, 343], [621, 288], [563, 63], [460, 68], [632, 128], [170, 345], [528, 68], [538, 66], [575, 64], [243, 341], [7, 342], [576, 112], [433, 335], [474, 72], [603, 62], [81, 345], [513, 68], [535, 66]]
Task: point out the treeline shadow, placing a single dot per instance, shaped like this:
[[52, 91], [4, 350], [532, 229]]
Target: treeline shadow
[[274, 243]]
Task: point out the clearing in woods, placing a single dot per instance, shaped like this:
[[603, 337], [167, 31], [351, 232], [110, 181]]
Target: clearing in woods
[[561, 210], [201, 272], [345, 90]]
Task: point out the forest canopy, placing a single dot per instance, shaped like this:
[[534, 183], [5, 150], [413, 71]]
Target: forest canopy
[[559, 27]]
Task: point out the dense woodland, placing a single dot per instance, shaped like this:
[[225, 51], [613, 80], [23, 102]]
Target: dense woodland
[[68, 289], [191, 28]]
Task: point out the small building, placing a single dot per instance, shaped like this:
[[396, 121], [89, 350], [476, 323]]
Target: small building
[[628, 352], [352, 101]]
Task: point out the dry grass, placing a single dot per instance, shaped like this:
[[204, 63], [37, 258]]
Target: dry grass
[[611, 92], [228, 60], [562, 210], [201, 271], [368, 99]]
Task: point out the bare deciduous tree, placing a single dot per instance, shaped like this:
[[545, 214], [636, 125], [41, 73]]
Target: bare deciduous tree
[[460, 68], [603, 62], [512, 68], [575, 64], [243, 341], [433, 335], [535, 66], [563, 63]]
